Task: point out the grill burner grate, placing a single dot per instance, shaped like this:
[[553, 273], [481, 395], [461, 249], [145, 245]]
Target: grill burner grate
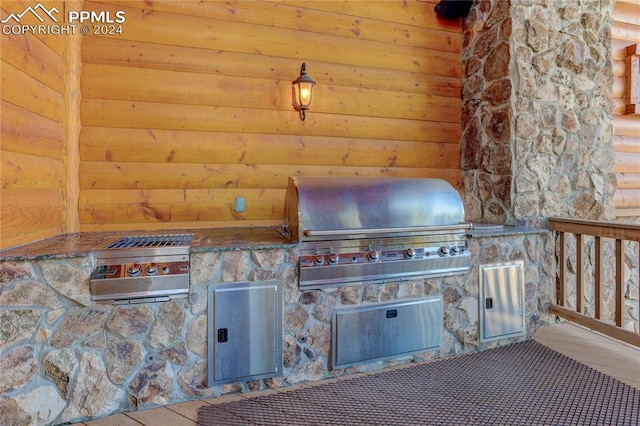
[[151, 241]]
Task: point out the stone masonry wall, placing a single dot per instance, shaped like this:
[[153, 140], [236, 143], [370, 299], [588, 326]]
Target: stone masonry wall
[[65, 359], [537, 127], [487, 147], [538, 139]]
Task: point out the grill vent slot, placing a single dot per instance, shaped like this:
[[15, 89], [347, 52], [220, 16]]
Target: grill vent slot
[[151, 241]]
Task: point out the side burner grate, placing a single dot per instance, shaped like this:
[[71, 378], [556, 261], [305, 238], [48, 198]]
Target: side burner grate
[[152, 241]]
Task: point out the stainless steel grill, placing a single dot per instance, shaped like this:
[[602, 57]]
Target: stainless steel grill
[[354, 230], [136, 269]]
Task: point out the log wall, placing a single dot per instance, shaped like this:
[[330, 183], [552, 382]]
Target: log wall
[[190, 107], [625, 33], [32, 171]]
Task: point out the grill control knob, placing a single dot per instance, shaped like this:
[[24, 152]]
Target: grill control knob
[[443, 251], [165, 269], [333, 258], [373, 255], [319, 259], [134, 270], [151, 269], [453, 250], [409, 253]]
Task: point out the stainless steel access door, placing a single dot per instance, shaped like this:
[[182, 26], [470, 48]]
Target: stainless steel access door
[[502, 301], [245, 331], [378, 331]]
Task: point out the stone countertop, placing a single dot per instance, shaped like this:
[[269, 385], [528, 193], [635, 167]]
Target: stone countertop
[[204, 240], [487, 230]]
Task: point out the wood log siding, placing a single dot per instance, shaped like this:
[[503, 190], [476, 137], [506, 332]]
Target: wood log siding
[[32, 171], [191, 106], [625, 32]]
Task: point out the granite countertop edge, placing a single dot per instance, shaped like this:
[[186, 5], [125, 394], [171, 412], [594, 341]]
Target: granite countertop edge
[[482, 230], [76, 245]]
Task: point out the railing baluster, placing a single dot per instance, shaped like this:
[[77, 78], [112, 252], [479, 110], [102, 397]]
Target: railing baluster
[[619, 282], [598, 278], [579, 249], [560, 284]]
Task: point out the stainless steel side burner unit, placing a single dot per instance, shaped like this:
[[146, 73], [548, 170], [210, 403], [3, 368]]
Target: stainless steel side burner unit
[[137, 269], [354, 230]]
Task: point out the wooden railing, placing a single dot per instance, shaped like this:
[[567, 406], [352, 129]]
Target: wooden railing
[[582, 229]]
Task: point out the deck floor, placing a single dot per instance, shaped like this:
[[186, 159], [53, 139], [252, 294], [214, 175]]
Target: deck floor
[[599, 352]]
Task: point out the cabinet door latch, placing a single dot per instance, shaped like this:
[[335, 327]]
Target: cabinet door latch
[[488, 303]]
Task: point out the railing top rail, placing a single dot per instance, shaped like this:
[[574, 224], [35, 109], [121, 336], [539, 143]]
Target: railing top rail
[[620, 231]]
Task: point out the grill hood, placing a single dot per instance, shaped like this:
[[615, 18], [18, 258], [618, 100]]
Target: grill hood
[[322, 208]]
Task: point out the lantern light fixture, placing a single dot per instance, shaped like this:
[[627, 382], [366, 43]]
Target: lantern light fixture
[[302, 92]]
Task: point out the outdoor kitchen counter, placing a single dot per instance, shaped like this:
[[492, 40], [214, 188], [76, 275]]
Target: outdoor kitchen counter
[[486, 230], [204, 240]]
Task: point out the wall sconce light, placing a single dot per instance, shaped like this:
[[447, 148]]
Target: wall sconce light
[[302, 91]]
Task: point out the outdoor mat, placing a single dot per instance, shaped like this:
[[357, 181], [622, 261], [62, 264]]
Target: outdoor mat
[[521, 384]]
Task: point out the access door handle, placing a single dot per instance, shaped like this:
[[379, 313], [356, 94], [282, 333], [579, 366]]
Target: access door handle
[[223, 335], [488, 303]]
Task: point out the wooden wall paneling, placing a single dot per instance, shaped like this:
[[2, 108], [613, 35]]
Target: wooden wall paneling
[[29, 133], [628, 180], [626, 125], [24, 171], [20, 89], [626, 162], [407, 12], [112, 113], [159, 86], [172, 146], [30, 214], [627, 198], [33, 58], [178, 205], [625, 32], [97, 50], [627, 143], [199, 32], [161, 227], [32, 174], [109, 175], [190, 107], [160, 146], [627, 11], [412, 32]]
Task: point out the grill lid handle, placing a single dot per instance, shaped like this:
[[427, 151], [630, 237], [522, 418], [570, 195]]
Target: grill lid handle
[[329, 232]]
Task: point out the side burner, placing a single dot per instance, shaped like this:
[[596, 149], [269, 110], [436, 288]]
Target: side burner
[[137, 269]]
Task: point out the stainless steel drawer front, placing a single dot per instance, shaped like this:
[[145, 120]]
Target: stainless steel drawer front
[[386, 330]]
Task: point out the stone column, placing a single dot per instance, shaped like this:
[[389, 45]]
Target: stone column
[[536, 118]]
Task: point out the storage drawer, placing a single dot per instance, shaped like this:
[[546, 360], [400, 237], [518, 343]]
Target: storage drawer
[[385, 330]]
